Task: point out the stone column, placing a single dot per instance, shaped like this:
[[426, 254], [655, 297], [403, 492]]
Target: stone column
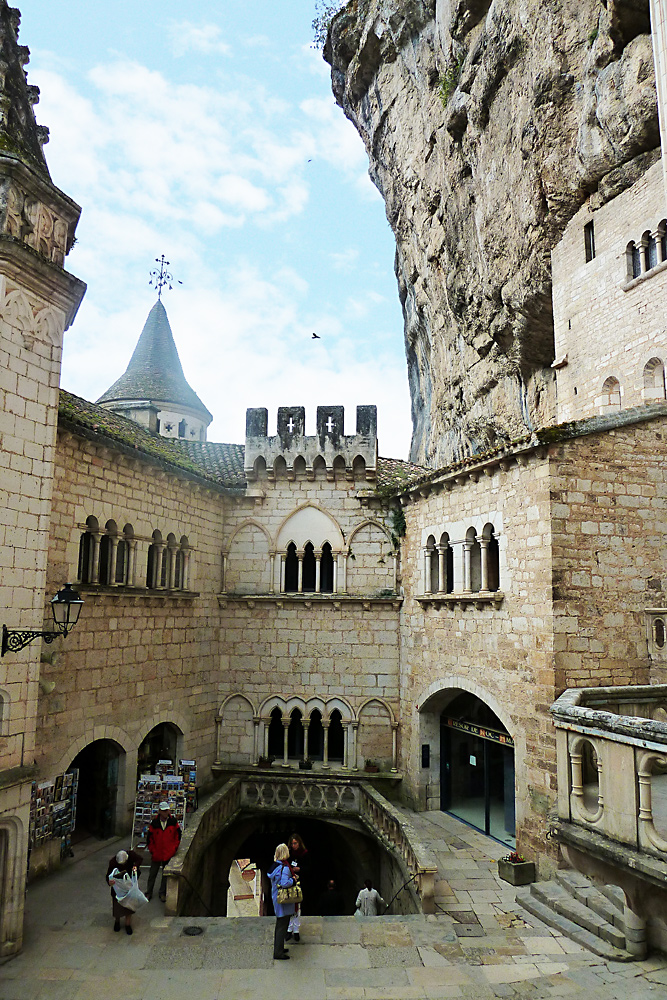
[[275, 572], [427, 571], [256, 720], [157, 565], [355, 727], [340, 580], [113, 559], [318, 570], [442, 568], [186, 569], [267, 723], [282, 573], [305, 725], [643, 254], [94, 574], [299, 588], [659, 246], [223, 570], [394, 746], [171, 568], [484, 564], [325, 727], [131, 562], [218, 738], [286, 723], [346, 748], [335, 573], [467, 586]]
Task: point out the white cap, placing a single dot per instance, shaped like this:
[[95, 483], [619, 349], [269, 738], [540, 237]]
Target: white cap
[[163, 806]]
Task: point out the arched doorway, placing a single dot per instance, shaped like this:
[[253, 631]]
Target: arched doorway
[[477, 767], [100, 766], [162, 743]]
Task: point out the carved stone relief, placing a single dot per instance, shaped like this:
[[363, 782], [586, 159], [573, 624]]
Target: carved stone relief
[[31, 322], [36, 225]]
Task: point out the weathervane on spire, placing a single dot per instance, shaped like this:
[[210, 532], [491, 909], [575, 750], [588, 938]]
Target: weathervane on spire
[[158, 279]]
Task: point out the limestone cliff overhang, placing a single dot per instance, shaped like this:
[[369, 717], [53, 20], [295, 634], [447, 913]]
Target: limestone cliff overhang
[[124, 437], [523, 449]]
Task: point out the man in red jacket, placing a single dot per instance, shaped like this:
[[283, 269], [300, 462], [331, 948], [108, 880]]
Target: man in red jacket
[[164, 836]]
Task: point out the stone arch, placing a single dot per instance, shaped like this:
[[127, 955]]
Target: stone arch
[[17, 313], [341, 705], [375, 733], [370, 563], [609, 400], [299, 467], [319, 467], [236, 741], [14, 861], [48, 326], [248, 562], [91, 734], [339, 467], [259, 468], [653, 381], [309, 523]]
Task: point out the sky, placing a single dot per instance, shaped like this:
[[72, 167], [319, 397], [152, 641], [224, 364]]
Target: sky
[[207, 132]]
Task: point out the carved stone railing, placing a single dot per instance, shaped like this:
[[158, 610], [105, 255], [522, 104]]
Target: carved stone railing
[[319, 797], [612, 787]]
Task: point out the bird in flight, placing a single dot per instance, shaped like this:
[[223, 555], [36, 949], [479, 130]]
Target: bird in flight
[[316, 336]]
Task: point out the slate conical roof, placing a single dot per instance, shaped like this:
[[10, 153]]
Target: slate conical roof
[[155, 372]]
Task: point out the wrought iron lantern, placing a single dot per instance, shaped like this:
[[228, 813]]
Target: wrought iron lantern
[[66, 607]]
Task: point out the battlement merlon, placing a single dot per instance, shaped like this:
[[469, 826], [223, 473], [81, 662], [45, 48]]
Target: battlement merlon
[[329, 444]]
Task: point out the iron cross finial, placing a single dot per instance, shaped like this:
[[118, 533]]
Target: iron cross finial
[[158, 279]]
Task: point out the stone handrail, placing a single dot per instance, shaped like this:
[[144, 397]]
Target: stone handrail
[[612, 756], [315, 795]]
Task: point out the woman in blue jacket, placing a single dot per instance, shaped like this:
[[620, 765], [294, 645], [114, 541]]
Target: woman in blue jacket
[[281, 875]]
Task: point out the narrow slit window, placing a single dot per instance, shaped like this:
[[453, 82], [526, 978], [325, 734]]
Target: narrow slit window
[[589, 241]]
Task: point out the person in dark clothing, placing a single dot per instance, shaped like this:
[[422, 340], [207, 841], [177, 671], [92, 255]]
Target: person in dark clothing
[[125, 862], [164, 836], [298, 856], [331, 902]]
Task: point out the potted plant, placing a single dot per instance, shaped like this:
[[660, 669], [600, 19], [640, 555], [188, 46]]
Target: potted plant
[[265, 761], [514, 868], [371, 766], [305, 764]]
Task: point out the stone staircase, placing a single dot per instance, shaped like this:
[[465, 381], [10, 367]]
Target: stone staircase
[[592, 915]]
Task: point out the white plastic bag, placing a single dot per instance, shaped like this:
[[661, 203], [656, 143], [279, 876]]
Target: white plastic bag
[[127, 890]]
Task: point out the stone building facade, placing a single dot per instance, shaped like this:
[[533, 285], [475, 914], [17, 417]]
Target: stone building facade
[[299, 597]]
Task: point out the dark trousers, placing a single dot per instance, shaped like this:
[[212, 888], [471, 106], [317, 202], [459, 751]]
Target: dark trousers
[[279, 936], [152, 875]]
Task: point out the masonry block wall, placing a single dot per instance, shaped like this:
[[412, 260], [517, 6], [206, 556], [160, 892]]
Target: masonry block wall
[[138, 657], [609, 516], [500, 652], [607, 325]]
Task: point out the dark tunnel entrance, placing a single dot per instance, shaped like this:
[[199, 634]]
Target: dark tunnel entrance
[[336, 851]]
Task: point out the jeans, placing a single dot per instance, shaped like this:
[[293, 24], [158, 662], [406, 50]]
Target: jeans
[[279, 936], [152, 875]]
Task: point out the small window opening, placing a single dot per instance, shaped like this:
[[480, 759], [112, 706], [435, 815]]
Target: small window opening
[[181, 429], [589, 241]]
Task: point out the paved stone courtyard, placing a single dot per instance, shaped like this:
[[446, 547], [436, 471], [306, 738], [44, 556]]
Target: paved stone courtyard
[[479, 945]]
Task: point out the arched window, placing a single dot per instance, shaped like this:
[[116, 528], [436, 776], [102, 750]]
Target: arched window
[[181, 560], [108, 553], [88, 546], [339, 467], [326, 570], [295, 735], [492, 557], [275, 747], [336, 736], [654, 381], [123, 555], [280, 468], [291, 570], [611, 395], [473, 551], [155, 561], [299, 467], [308, 578], [445, 565], [430, 566], [315, 736], [633, 260]]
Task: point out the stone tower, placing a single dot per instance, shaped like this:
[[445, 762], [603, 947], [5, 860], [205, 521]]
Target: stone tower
[[38, 301], [154, 391]]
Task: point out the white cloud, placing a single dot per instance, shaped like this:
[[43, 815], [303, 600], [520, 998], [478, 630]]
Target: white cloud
[[186, 37]]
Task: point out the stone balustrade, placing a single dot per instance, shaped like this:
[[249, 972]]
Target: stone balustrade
[[612, 788], [316, 796]]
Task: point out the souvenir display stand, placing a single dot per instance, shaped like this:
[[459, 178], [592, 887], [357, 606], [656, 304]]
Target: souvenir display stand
[[52, 817], [178, 789]]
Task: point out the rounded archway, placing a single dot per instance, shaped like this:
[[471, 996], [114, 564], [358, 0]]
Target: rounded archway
[[477, 766], [161, 743], [101, 776]]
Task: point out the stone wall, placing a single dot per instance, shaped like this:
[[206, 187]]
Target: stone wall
[[137, 657], [608, 325]]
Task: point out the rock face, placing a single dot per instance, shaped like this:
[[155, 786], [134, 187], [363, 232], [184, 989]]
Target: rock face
[[487, 125]]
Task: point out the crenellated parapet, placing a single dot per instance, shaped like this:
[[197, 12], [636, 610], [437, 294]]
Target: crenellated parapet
[[291, 452]]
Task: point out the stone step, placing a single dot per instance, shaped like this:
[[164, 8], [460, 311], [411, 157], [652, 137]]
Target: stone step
[[557, 898], [589, 895], [570, 929]]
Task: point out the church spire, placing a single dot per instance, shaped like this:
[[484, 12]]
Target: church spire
[[153, 390]]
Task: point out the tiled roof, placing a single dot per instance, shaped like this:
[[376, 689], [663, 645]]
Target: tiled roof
[[223, 462], [155, 372], [92, 421], [393, 474]]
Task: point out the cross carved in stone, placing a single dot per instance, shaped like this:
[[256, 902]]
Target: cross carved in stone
[[290, 425], [330, 424]]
